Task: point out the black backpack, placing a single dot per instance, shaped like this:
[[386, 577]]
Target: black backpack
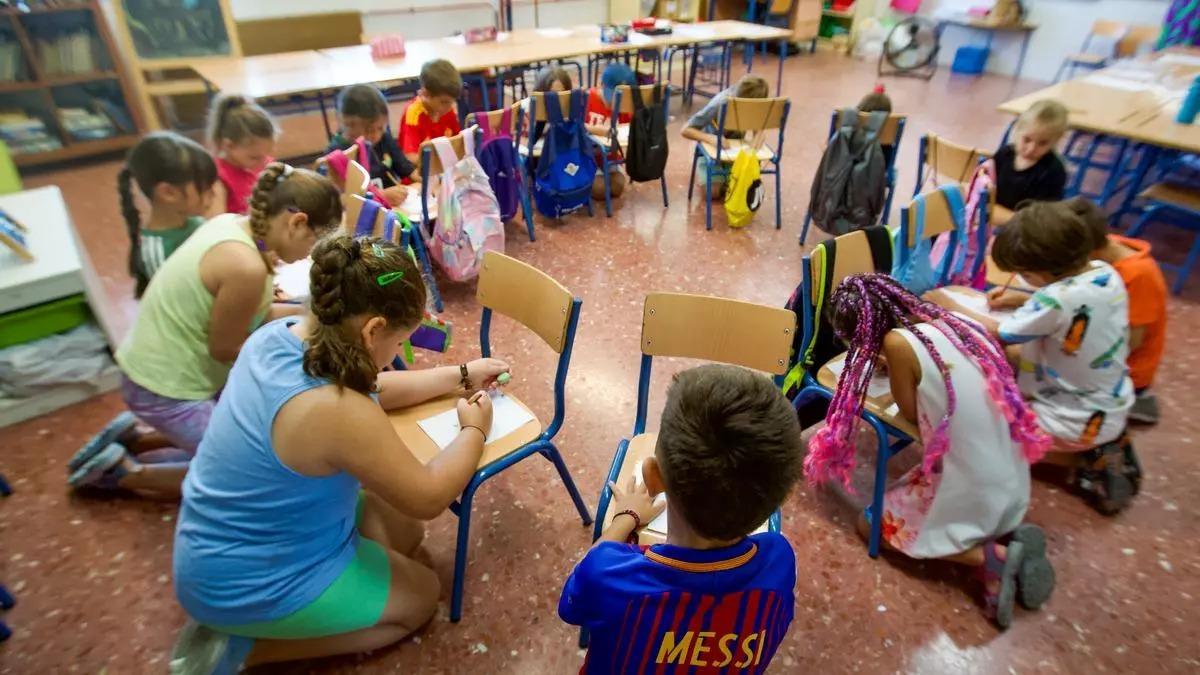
[[848, 190], [647, 154]]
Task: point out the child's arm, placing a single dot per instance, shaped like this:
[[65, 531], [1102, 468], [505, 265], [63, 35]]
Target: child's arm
[[937, 297], [236, 277], [404, 388], [694, 134], [600, 130], [278, 310], [904, 373], [219, 197], [635, 497]]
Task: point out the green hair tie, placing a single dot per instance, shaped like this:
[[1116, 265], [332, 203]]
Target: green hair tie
[[385, 279]]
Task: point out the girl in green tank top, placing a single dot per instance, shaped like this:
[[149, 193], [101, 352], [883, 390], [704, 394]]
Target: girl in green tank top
[[196, 312]]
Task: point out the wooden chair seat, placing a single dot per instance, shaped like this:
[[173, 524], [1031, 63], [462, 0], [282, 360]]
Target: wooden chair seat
[[1088, 59], [1173, 195], [733, 146], [422, 446], [882, 407]]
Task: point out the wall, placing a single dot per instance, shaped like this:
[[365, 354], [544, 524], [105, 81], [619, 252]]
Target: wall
[[1062, 27], [429, 22]]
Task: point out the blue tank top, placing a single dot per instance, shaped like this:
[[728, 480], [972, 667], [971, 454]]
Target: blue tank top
[[257, 541]]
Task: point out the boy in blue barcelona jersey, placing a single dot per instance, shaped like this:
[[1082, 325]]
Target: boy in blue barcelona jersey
[[714, 598]]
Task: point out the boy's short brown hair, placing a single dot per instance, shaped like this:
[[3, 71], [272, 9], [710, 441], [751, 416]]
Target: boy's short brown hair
[[752, 86], [729, 449], [1093, 218], [1047, 237], [1046, 113], [439, 77]]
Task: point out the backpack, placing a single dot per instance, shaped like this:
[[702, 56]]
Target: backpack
[[339, 164], [647, 153], [848, 190], [913, 268], [468, 222], [498, 158], [967, 268], [567, 167], [744, 194]]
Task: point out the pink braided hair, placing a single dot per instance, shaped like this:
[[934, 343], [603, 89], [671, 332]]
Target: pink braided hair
[[862, 310]]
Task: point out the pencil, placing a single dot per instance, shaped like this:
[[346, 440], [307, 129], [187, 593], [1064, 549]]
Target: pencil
[[1008, 283], [475, 398]]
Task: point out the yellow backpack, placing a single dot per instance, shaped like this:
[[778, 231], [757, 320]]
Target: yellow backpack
[[744, 192]]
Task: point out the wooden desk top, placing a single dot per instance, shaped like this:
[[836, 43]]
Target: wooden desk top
[[1137, 100], [326, 69]]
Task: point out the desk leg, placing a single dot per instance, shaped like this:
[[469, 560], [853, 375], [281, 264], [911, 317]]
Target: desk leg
[[1116, 171], [1148, 159], [324, 115], [1021, 58]]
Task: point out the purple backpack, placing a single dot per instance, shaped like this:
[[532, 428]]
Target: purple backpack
[[498, 157]]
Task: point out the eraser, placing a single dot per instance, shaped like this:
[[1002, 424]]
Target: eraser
[[503, 378]]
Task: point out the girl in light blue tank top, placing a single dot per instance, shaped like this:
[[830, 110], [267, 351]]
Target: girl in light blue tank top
[[288, 533]]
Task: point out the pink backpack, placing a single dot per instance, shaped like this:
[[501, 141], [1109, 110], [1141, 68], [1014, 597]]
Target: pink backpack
[[468, 222], [963, 270]]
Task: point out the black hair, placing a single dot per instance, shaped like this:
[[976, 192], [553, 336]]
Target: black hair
[[364, 101]]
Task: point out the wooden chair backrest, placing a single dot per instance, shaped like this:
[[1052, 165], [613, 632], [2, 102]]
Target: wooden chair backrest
[[753, 114], [357, 177], [718, 329], [1137, 36], [456, 142], [951, 160], [527, 295], [647, 93], [353, 206], [1108, 28], [853, 257], [781, 6], [537, 105], [890, 129], [938, 218], [299, 33], [494, 117]]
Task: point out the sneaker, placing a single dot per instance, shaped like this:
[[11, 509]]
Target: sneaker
[[999, 577], [200, 650], [1035, 577], [107, 436], [1105, 482], [1145, 409], [103, 470]]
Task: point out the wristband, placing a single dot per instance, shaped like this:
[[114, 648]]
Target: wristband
[[637, 524], [472, 426], [466, 378]]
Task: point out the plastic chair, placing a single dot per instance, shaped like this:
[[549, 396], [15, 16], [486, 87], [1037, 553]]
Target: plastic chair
[[618, 135], [889, 139], [493, 120], [740, 115], [1099, 47], [535, 112], [853, 257], [1180, 207], [538, 302]]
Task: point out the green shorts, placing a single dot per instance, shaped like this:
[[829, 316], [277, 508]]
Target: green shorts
[[355, 600]]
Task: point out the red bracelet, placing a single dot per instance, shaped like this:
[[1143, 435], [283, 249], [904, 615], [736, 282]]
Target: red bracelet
[[637, 524]]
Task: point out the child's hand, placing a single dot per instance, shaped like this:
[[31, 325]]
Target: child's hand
[[282, 296], [477, 414], [395, 194], [483, 372], [999, 298], [635, 497]]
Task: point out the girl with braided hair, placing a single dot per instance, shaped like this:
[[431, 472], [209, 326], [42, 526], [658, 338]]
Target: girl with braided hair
[[197, 311], [972, 487], [303, 507]]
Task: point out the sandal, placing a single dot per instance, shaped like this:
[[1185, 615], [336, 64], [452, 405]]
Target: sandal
[[107, 436], [200, 650], [1035, 577], [999, 576], [103, 470]]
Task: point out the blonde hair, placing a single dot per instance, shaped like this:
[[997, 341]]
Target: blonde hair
[[281, 187], [752, 86], [1046, 113]]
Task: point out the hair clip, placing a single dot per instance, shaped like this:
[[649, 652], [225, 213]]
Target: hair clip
[[385, 279], [377, 250], [287, 171]]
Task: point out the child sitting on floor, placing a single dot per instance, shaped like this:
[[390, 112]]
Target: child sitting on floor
[[702, 126], [432, 113], [1072, 337], [599, 122], [972, 486], [363, 112], [1029, 168], [1147, 291], [243, 138], [727, 455]]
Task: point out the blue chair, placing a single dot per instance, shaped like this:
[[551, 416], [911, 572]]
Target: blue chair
[[535, 113], [687, 326], [893, 432], [889, 140], [618, 135], [493, 119], [738, 116], [1099, 48], [538, 302], [1180, 207]]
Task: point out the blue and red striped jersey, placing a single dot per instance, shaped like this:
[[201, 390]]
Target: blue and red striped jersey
[[667, 609]]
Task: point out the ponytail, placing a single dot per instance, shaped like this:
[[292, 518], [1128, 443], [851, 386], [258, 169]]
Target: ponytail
[[236, 118], [355, 278]]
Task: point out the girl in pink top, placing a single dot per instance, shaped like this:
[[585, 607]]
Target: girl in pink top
[[243, 138]]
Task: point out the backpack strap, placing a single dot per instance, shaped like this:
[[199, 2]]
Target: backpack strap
[[484, 121], [365, 226], [635, 94], [445, 153], [469, 143], [338, 163], [554, 113], [848, 119], [875, 122]]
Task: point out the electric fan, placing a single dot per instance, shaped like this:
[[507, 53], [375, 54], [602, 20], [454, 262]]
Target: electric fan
[[911, 49]]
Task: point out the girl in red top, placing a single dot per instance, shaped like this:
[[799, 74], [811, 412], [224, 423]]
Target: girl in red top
[[243, 139]]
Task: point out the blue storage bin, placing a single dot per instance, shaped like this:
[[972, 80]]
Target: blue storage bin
[[970, 60]]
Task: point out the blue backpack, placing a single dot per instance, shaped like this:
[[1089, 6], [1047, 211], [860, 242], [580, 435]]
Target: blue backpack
[[913, 268], [567, 167], [498, 158]]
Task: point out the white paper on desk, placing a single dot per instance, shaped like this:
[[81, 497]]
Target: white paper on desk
[[1122, 83], [976, 302], [507, 417], [293, 278], [1179, 59], [880, 385]]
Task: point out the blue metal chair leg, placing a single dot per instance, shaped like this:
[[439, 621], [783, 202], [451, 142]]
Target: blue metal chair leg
[[887, 204], [804, 228], [1140, 226], [551, 453], [708, 169], [1193, 257], [881, 461], [526, 207], [607, 188], [778, 197], [692, 182], [460, 548], [6, 489]]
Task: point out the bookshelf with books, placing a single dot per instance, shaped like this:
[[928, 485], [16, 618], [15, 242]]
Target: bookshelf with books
[[63, 94]]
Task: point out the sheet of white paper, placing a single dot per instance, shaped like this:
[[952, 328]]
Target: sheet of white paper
[[1125, 84], [293, 278], [880, 385], [507, 417], [976, 302], [1179, 59]]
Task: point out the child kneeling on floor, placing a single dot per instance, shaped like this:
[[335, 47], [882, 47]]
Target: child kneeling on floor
[[971, 489], [728, 454]]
